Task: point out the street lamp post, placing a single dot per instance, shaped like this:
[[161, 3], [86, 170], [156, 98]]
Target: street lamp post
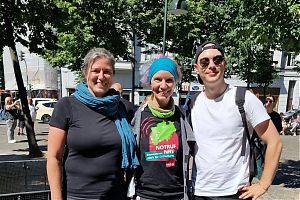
[[178, 7]]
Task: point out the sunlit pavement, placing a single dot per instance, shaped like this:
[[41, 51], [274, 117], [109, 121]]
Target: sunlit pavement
[[286, 185]]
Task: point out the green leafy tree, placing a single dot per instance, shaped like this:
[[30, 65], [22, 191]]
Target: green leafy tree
[[27, 22], [89, 24], [297, 67], [262, 26], [242, 27]]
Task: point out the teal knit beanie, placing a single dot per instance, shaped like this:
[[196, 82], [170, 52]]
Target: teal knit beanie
[[165, 64]]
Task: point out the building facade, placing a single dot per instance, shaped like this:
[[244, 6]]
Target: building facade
[[39, 77], [44, 81]]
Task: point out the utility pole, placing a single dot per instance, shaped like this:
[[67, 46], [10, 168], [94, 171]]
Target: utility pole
[[133, 63]]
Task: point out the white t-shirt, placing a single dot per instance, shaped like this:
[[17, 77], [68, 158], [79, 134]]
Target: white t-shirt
[[32, 112], [218, 128]]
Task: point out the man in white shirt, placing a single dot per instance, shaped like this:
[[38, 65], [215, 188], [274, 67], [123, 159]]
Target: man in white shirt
[[222, 173]]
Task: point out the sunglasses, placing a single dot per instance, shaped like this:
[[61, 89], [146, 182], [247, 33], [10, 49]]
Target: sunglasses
[[204, 62]]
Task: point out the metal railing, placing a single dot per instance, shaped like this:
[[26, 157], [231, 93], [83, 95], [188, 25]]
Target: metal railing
[[24, 179]]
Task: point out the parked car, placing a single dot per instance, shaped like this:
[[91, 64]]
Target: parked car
[[44, 110], [287, 116], [35, 101]]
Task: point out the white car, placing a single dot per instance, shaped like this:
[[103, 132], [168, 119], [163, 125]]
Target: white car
[[35, 101], [44, 110]]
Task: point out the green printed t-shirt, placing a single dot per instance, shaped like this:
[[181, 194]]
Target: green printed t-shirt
[[161, 176]]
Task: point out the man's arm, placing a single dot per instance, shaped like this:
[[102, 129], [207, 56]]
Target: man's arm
[[270, 136]]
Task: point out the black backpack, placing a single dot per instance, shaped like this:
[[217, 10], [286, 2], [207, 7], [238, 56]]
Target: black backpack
[[257, 147]]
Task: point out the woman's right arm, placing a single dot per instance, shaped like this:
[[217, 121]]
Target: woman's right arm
[[10, 106], [56, 144]]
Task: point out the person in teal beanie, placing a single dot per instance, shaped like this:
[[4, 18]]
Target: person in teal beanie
[[161, 136]]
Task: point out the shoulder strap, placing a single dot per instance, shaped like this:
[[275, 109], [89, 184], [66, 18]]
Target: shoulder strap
[[188, 110], [136, 124], [188, 145], [193, 100], [240, 100]]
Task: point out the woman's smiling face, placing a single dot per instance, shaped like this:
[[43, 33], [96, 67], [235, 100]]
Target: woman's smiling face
[[99, 76], [162, 86]]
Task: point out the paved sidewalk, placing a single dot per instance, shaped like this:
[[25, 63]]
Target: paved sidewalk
[[286, 185], [19, 150]]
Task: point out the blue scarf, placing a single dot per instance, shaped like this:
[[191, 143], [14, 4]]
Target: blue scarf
[[108, 106]]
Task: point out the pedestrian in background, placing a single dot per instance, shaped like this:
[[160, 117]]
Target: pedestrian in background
[[295, 124], [162, 138], [128, 105], [222, 172], [11, 122], [90, 143], [275, 117], [21, 119], [32, 110], [284, 124]]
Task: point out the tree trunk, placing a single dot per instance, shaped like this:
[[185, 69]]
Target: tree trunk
[[34, 150]]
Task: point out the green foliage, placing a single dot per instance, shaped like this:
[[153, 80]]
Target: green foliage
[[63, 31], [297, 67], [242, 27], [27, 22], [89, 24], [32, 23], [253, 63], [186, 68]]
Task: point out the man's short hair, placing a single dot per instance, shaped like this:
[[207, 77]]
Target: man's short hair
[[203, 47]]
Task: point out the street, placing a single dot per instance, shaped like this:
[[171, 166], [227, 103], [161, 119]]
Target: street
[[286, 184], [19, 150]]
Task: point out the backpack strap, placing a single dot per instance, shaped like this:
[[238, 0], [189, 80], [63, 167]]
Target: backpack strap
[[190, 105], [193, 100], [240, 101], [136, 124], [188, 145]]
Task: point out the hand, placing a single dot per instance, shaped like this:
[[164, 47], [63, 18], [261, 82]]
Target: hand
[[254, 191]]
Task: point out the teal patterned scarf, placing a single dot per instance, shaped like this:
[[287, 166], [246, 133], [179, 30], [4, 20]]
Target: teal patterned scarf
[[108, 106]]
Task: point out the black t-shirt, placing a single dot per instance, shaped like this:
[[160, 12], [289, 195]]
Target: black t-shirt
[[276, 119], [130, 108], [92, 167], [161, 174]]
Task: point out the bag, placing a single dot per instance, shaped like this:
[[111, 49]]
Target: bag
[[3, 114], [257, 147]]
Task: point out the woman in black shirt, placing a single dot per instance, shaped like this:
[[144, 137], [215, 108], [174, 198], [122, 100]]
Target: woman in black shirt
[[89, 135]]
